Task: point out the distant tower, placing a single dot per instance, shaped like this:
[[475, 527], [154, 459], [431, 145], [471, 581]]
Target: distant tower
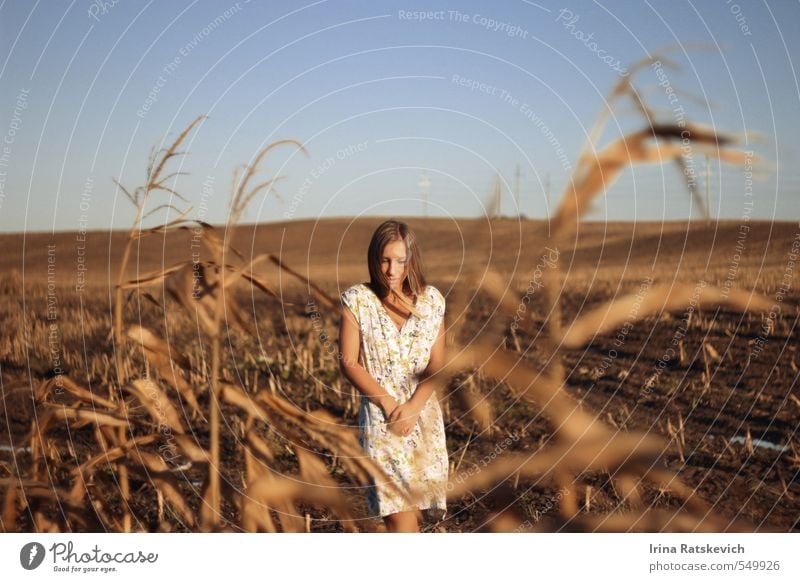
[[424, 189], [516, 190], [495, 198]]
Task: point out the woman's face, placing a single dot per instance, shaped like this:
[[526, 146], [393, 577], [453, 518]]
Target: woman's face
[[393, 263]]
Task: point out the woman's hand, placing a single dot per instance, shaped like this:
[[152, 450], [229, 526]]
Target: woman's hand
[[388, 404], [403, 418]]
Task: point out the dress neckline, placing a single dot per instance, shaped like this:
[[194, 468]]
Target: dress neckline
[[382, 307]]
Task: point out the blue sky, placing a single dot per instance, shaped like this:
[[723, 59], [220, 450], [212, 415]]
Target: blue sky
[[379, 95]]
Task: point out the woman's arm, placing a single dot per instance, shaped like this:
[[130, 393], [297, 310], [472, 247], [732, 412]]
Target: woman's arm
[[349, 344]]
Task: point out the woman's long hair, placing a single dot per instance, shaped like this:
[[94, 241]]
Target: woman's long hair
[[414, 282]]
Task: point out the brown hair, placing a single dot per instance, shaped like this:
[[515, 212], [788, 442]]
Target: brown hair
[[390, 231]]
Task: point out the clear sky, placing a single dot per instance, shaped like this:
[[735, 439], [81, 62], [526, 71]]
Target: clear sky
[[380, 94]]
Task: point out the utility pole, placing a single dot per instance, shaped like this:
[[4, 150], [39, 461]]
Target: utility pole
[[516, 190]]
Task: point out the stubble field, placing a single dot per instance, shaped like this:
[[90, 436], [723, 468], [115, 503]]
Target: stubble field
[[719, 386]]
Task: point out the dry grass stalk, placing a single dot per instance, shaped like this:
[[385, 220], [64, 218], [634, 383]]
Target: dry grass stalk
[[168, 364], [155, 181], [584, 443], [243, 193], [674, 298]]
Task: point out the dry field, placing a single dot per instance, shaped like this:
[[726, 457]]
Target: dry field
[[598, 376], [717, 386]]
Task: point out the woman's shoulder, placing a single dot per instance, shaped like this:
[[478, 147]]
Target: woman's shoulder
[[355, 290], [353, 298], [435, 294]]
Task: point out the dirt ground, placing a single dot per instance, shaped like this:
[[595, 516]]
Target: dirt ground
[[726, 395]]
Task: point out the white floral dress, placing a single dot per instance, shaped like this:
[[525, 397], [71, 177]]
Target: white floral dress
[[418, 462]]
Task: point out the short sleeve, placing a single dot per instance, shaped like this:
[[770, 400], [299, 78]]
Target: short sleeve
[[350, 298]]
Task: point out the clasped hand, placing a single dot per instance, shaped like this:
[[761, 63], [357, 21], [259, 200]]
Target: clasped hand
[[403, 418]]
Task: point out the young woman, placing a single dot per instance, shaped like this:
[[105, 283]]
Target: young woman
[[392, 342]]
